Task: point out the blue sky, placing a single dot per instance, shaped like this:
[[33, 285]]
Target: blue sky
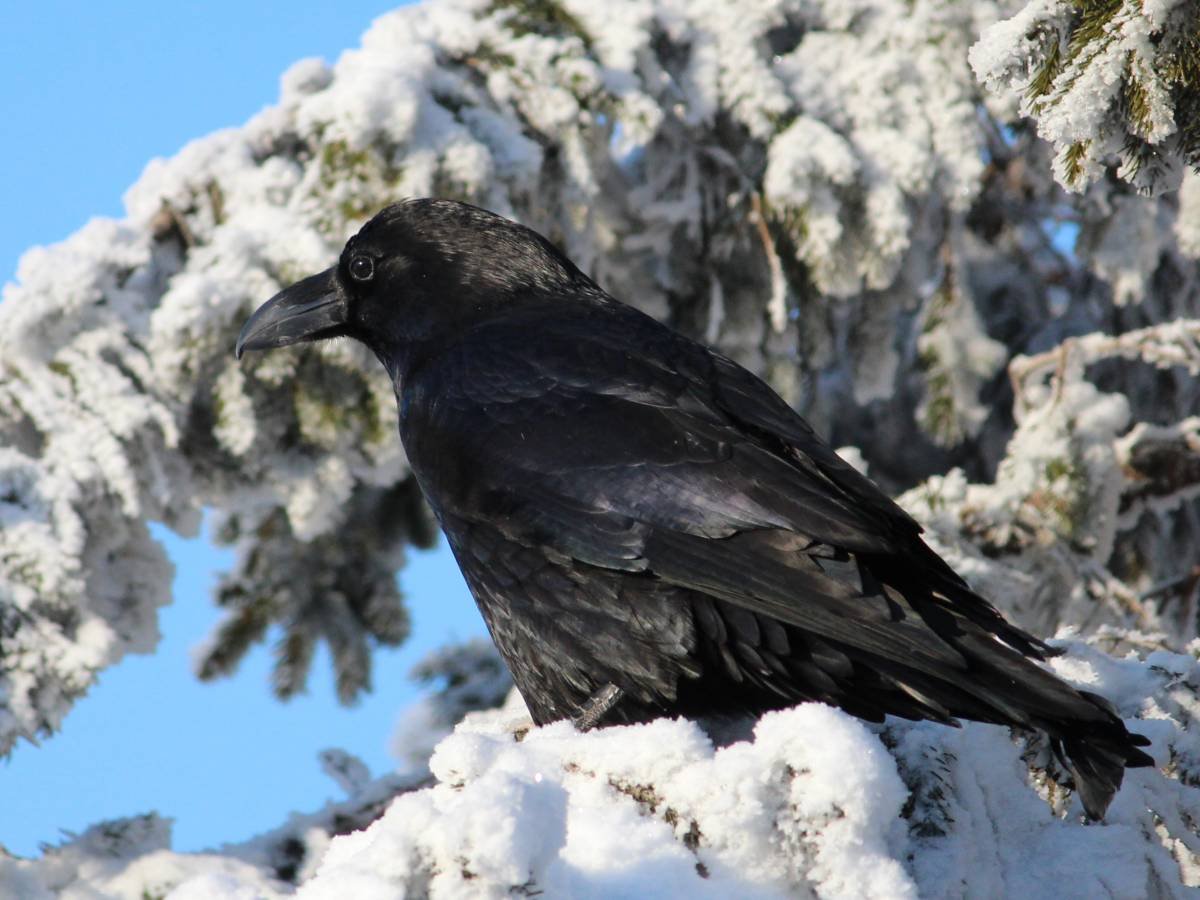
[[88, 94]]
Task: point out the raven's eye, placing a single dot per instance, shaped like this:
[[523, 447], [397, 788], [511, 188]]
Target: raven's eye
[[362, 268]]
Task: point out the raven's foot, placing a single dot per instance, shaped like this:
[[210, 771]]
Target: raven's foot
[[599, 705]]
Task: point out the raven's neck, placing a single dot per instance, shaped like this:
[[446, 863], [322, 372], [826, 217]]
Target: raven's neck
[[410, 344]]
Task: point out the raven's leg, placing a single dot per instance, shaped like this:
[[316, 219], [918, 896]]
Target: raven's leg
[[598, 706]]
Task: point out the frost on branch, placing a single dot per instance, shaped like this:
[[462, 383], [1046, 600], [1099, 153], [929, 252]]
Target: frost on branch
[[1070, 529], [730, 169], [805, 802], [1106, 81], [468, 676], [86, 456], [342, 589], [817, 187], [813, 801]]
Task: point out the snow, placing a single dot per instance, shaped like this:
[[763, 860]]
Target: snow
[[1128, 252], [471, 676], [1085, 109], [959, 359], [1187, 225], [819, 187], [120, 390], [806, 801], [881, 119], [129, 858]]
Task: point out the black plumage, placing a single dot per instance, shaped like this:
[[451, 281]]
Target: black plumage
[[648, 529]]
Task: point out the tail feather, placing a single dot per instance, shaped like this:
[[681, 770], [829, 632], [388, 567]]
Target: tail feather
[[1085, 729], [1098, 755]]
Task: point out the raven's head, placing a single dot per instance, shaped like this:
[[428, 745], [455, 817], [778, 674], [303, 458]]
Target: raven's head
[[419, 269]]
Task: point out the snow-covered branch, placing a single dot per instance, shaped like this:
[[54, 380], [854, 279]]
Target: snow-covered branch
[[724, 167], [810, 801], [823, 190], [1106, 82]]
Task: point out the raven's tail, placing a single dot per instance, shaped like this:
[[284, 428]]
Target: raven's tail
[[1086, 733], [1097, 755]]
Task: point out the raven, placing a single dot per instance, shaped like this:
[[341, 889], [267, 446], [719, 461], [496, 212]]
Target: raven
[[647, 527]]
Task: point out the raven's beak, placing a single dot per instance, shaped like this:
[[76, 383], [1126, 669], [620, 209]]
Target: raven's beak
[[309, 310]]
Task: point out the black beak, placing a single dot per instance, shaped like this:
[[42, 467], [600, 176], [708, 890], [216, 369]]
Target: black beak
[[309, 310]]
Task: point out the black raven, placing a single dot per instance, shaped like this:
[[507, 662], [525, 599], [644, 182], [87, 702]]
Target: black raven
[[648, 529]]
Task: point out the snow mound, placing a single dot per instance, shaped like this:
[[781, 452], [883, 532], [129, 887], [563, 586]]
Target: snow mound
[[807, 802], [812, 803]]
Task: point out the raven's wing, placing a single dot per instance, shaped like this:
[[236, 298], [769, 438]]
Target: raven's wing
[[615, 442], [576, 421], [760, 411]]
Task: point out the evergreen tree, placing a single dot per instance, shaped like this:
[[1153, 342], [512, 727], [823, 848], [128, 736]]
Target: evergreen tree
[[961, 237]]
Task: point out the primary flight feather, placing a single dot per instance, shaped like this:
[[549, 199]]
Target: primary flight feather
[[648, 529]]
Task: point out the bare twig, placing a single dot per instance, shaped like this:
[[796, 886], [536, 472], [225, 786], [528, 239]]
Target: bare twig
[[777, 304]]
